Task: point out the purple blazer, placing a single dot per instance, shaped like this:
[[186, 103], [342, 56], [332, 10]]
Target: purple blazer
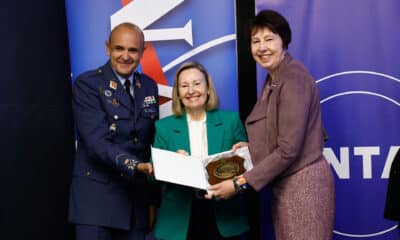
[[285, 128]]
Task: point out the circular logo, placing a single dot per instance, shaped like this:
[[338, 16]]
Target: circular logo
[[226, 169], [360, 111]]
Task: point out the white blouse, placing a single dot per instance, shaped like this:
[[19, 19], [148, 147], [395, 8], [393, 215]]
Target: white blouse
[[198, 137]]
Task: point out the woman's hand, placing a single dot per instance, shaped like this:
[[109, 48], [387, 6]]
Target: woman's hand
[[222, 190], [239, 145], [183, 152]]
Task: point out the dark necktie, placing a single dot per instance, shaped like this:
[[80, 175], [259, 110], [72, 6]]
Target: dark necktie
[[127, 85]]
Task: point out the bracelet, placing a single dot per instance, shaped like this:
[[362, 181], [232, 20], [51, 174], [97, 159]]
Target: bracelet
[[240, 183]]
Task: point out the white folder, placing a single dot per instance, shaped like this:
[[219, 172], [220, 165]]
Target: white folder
[[188, 170]]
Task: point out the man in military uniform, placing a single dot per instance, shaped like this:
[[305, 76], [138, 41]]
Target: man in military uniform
[[114, 109]]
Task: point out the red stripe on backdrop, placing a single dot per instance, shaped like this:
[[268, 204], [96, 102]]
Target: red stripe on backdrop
[[125, 2]]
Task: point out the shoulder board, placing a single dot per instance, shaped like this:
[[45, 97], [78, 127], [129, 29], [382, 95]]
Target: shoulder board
[[95, 73]]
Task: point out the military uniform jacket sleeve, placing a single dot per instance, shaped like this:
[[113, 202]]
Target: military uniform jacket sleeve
[[110, 128]]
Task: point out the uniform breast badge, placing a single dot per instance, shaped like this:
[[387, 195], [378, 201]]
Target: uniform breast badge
[[113, 85], [107, 93]]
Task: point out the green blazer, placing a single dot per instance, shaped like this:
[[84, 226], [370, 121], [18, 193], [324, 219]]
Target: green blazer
[[223, 130]]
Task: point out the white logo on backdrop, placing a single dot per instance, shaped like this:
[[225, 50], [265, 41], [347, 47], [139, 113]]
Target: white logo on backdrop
[[155, 10], [342, 167]]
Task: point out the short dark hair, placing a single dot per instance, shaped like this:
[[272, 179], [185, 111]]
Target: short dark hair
[[275, 22]]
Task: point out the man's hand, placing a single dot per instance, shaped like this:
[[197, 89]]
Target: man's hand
[[146, 168]]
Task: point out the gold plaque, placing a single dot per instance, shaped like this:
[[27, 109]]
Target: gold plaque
[[224, 168]]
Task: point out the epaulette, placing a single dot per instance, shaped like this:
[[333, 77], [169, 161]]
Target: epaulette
[[95, 73]]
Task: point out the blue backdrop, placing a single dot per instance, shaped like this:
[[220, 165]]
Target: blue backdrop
[[351, 49], [212, 32]]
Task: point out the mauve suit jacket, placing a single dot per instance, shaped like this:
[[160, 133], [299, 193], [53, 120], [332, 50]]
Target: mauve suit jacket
[[285, 128]]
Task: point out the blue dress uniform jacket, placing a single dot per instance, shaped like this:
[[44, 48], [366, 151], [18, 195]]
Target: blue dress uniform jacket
[[110, 128]]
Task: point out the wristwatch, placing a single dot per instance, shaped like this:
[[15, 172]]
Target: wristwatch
[[240, 183]]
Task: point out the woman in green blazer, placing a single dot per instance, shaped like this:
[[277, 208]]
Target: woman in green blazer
[[197, 128]]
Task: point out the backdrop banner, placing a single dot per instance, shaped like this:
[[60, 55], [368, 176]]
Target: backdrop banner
[[175, 31], [351, 49]]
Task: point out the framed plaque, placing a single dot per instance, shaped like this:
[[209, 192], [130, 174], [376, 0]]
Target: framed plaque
[[225, 168]]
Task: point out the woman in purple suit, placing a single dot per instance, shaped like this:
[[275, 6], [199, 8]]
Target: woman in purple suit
[[286, 139]]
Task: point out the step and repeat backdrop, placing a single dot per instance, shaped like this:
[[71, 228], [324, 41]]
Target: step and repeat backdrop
[[351, 49], [175, 31]]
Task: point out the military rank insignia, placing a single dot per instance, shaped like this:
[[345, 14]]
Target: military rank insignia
[[113, 85]]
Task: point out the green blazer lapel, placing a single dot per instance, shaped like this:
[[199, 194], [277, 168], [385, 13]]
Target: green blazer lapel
[[215, 132], [180, 134]]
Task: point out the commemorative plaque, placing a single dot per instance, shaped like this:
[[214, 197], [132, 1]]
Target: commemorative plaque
[[225, 168]]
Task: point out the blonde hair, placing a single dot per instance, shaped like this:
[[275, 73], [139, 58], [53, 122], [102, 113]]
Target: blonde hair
[[212, 100]]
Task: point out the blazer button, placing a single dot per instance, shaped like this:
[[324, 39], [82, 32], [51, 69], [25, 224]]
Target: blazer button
[[116, 117], [122, 174], [87, 173], [135, 140]]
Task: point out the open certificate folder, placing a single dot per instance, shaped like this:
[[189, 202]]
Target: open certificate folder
[[188, 170]]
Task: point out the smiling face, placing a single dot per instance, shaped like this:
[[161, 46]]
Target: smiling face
[[267, 48], [125, 48], [193, 89]]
